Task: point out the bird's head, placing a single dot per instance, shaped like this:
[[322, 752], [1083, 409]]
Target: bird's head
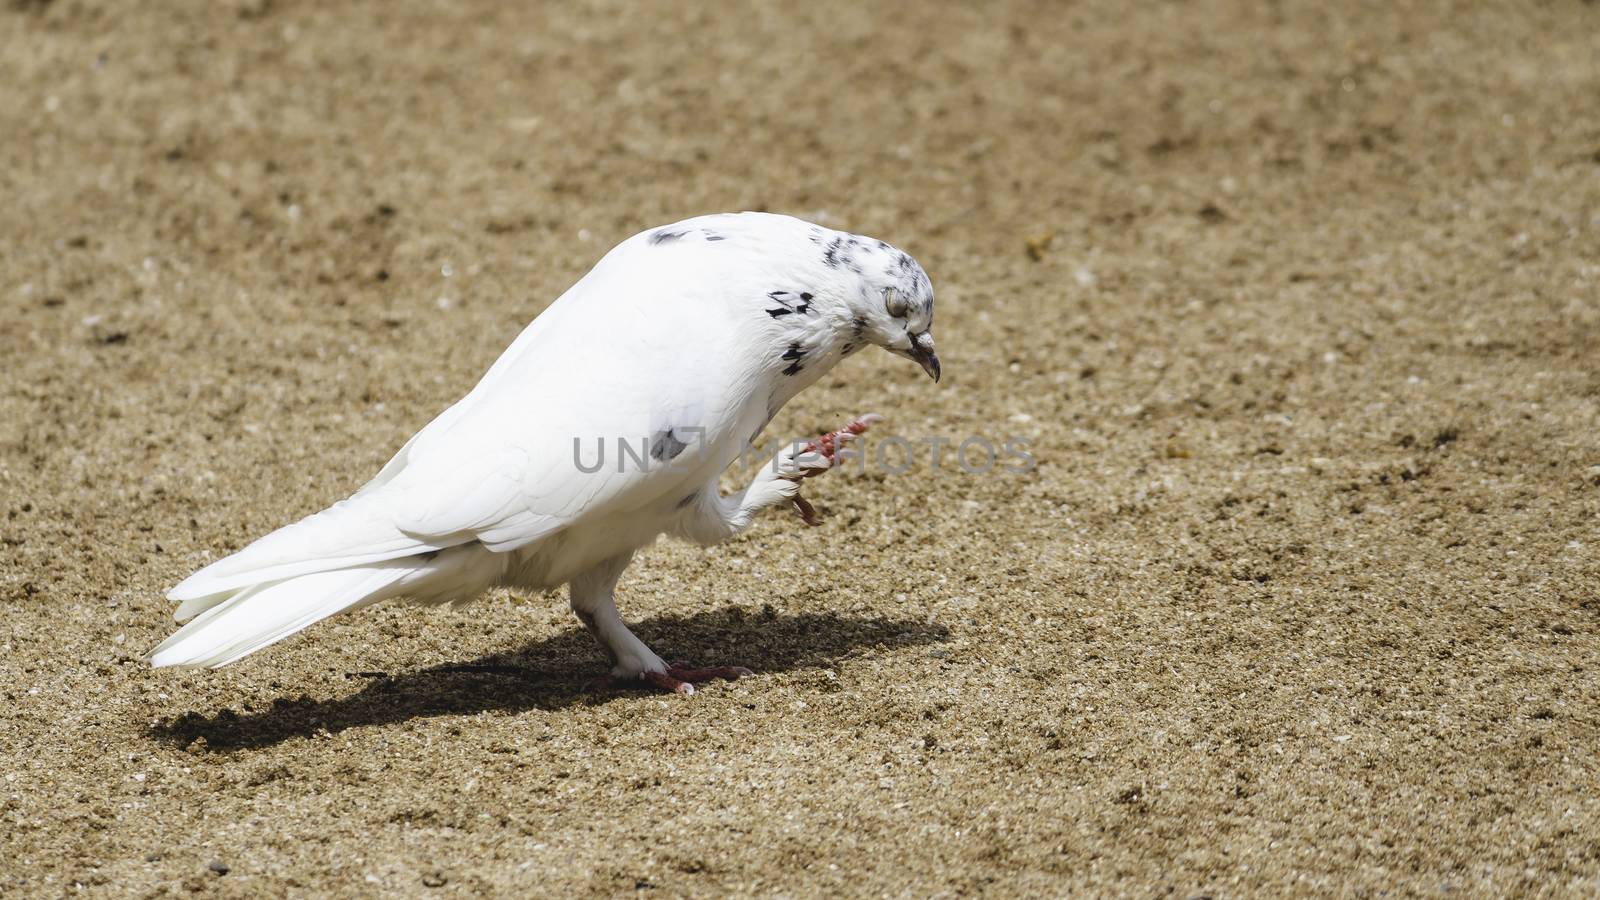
[[894, 305]]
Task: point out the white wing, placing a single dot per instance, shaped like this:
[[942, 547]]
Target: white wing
[[645, 352], [649, 342]]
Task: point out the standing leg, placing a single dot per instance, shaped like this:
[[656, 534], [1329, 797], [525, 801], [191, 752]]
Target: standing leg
[[594, 603]]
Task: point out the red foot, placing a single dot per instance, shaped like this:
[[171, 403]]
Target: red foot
[[829, 445], [680, 677]]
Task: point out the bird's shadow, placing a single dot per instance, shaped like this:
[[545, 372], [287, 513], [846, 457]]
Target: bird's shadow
[[550, 674]]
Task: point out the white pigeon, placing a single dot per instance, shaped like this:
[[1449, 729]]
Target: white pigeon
[[604, 425]]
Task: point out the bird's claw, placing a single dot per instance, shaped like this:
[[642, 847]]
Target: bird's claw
[[679, 678], [804, 509], [828, 445], [818, 456]]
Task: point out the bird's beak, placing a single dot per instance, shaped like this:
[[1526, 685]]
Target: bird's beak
[[922, 352]]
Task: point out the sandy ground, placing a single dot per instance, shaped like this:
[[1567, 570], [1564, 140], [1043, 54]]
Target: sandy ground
[[1299, 308]]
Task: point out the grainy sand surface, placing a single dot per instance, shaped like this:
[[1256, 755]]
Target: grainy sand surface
[[1297, 303]]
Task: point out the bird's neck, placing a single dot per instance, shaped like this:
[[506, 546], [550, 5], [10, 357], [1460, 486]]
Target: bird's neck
[[805, 346]]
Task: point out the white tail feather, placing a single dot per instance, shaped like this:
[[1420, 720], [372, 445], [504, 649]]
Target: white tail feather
[[261, 615], [232, 625], [348, 534]]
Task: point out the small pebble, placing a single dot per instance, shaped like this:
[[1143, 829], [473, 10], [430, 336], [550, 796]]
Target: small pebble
[[1037, 244]]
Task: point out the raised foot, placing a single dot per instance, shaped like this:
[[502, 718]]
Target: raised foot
[[679, 678], [818, 456]]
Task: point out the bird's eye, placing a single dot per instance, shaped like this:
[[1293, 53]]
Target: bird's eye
[[894, 303]]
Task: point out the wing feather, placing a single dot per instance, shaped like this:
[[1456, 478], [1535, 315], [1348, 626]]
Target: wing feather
[[607, 364]]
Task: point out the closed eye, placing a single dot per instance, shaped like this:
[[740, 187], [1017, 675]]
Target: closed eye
[[893, 303]]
